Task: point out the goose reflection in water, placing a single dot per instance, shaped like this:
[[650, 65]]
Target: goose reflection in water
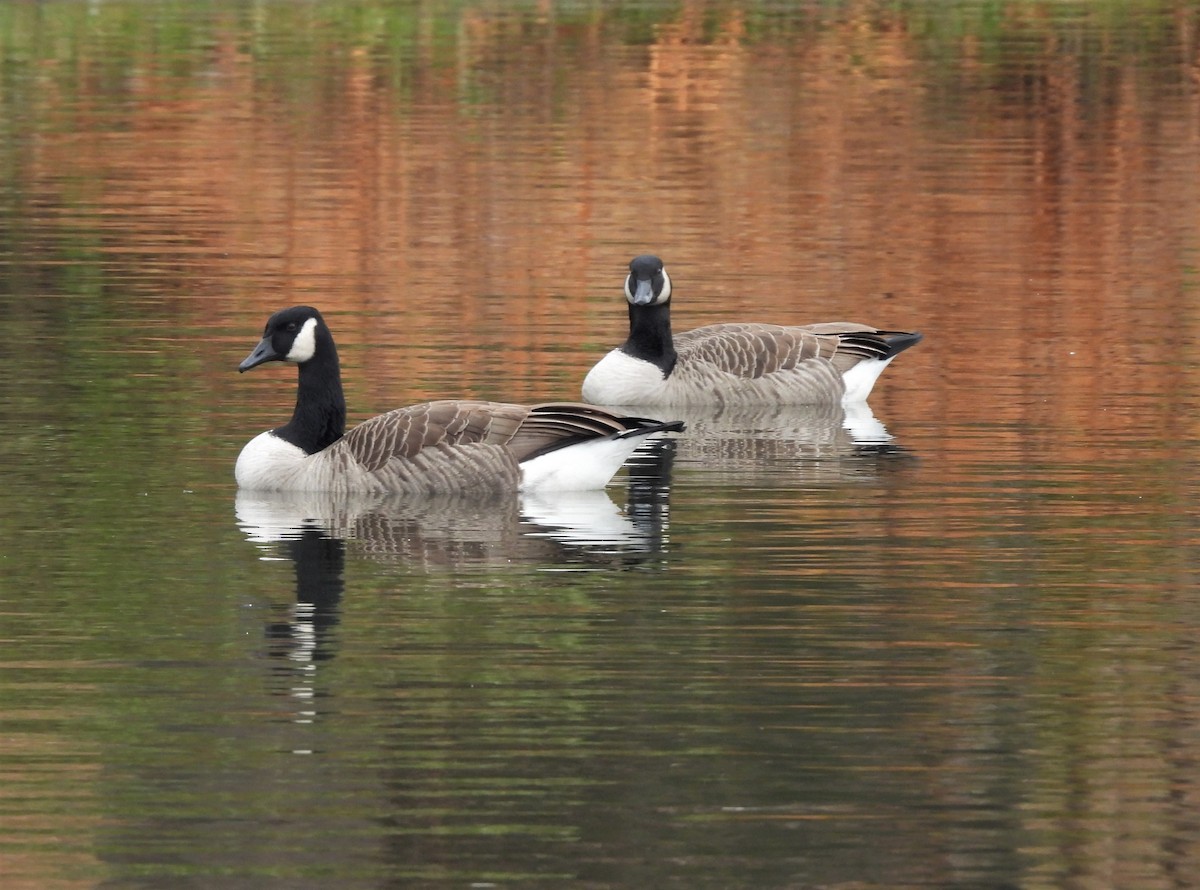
[[786, 444], [317, 532], [584, 528]]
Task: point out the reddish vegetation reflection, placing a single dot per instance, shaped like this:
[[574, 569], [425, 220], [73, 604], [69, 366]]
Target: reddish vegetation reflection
[[1035, 228]]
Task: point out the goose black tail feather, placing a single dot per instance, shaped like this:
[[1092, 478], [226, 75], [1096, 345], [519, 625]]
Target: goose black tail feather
[[880, 344], [644, 427], [898, 341]]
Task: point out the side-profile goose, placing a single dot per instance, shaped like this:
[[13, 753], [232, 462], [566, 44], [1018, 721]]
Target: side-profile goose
[[436, 447], [734, 364]]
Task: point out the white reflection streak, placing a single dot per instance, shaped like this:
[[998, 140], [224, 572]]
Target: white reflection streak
[[585, 518], [304, 636]]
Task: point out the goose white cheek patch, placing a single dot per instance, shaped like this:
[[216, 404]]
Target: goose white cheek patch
[[305, 344], [663, 295]]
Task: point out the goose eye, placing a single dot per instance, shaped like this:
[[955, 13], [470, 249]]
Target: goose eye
[[292, 327]]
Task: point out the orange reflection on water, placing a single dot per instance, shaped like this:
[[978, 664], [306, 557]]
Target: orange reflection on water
[[1038, 229]]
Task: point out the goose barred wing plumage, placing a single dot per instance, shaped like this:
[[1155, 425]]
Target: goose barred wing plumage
[[746, 363], [525, 430], [422, 450], [757, 350], [753, 350], [465, 444], [462, 445], [402, 434]]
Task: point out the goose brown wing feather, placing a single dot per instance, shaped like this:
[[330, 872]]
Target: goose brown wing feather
[[753, 350], [525, 430], [859, 341], [756, 350], [555, 424], [406, 432]]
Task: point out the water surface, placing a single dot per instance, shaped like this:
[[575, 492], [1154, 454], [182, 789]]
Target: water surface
[[948, 643]]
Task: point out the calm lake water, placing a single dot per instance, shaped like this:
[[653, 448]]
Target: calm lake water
[[953, 643]]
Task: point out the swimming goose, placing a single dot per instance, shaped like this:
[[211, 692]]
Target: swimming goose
[[734, 364], [436, 447]]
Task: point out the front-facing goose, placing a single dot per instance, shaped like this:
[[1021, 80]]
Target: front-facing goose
[[436, 447], [734, 364]]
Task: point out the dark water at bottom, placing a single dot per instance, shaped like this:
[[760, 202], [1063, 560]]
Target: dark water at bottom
[[813, 666]]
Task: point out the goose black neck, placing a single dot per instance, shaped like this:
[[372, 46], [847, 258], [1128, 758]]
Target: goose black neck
[[650, 336], [320, 416]]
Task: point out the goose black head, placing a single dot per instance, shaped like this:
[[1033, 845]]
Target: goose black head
[[291, 335], [647, 283]]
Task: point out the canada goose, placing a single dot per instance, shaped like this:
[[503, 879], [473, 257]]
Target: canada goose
[[436, 447], [736, 364]]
